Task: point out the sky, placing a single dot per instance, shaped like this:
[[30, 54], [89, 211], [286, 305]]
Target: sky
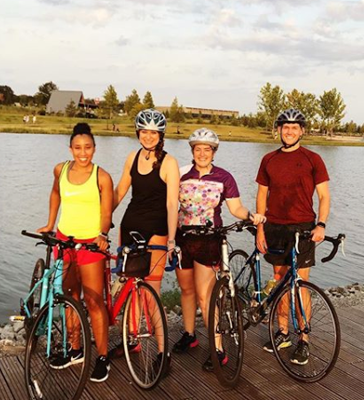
[[207, 53]]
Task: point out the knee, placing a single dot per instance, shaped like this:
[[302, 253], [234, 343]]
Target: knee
[[188, 291]]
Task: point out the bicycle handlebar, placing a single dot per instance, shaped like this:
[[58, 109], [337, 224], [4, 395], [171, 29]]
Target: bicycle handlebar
[[49, 239], [336, 241], [237, 226]]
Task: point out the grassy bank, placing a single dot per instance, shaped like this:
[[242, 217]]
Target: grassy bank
[[11, 121]]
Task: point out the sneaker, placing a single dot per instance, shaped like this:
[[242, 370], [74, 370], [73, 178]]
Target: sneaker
[[300, 355], [167, 366], [118, 351], [281, 341], [101, 371], [186, 342], [223, 359], [73, 357]]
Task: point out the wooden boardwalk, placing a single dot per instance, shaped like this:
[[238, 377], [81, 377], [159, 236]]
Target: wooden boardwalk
[[262, 377]]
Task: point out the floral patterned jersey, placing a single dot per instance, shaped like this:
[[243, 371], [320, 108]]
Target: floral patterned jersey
[[201, 198]]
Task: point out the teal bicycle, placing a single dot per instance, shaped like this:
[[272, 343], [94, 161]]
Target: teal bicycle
[[55, 324]]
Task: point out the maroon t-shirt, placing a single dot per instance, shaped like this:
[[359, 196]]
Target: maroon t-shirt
[[291, 178]]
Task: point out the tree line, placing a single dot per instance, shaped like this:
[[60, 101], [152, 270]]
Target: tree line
[[323, 113]]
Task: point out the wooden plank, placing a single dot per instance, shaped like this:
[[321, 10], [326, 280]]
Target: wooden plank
[[13, 372], [5, 392]]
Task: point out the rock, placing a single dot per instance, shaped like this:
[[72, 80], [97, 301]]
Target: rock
[[18, 326], [177, 309]]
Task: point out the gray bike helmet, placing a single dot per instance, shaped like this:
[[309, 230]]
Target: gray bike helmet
[[204, 136], [152, 120], [291, 116]]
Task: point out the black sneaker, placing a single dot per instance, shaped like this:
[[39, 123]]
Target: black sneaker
[[167, 366], [101, 371], [281, 341], [118, 351], [300, 355], [223, 359], [73, 357], [186, 342]]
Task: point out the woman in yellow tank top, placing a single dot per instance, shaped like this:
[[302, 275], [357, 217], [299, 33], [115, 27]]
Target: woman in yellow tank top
[[85, 193]]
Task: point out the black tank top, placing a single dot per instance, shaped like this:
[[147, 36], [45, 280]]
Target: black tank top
[[147, 210]]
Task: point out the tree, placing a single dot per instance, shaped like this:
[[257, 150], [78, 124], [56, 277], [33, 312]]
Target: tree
[[331, 109], [71, 109], [131, 101], [7, 95], [148, 100], [134, 111], [44, 93], [176, 113], [306, 103], [271, 103], [111, 101]]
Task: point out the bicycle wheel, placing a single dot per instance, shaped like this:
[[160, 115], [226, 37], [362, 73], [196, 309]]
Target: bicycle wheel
[[245, 279], [322, 329], [43, 381], [226, 333], [33, 303], [145, 336]]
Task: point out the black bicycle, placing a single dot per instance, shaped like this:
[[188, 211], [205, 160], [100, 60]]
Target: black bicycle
[[302, 308]]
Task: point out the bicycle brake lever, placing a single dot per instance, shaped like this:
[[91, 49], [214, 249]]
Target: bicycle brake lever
[[342, 247], [297, 239], [39, 243]]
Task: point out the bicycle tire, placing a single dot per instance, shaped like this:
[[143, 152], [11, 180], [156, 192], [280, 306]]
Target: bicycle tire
[[245, 279], [42, 381], [225, 329], [324, 333], [147, 364], [33, 303]]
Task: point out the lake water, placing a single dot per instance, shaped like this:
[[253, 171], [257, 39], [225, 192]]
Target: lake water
[[26, 176]]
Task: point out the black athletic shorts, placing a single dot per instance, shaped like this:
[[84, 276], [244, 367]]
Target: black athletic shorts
[[204, 249], [282, 237]]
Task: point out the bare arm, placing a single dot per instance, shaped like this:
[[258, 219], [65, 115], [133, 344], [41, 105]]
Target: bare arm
[[54, 201], [261, 202], [171, 176], [125, 181], [323, 193], [106, 193], [238, 210]]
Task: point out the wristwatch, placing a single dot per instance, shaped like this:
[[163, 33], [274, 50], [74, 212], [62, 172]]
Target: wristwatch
[[322, 224]]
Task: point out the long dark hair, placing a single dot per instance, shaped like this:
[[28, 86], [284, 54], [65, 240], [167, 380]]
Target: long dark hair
[[158, 153]]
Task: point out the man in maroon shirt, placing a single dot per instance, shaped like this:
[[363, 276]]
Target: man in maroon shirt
[[287, 179]]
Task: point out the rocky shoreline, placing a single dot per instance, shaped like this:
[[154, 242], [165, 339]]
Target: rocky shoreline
[[12, 335]]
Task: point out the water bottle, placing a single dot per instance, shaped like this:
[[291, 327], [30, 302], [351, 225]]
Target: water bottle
[[117, 286], [272, 283]]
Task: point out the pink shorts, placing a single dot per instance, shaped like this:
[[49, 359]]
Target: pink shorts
[[80, 257]]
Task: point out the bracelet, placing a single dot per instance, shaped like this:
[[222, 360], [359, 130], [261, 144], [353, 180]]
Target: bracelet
[[249, 215], [104, 235], [172, 241], [321, 224]]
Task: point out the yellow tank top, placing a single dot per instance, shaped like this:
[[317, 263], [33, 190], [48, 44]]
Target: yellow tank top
[[80, 206]]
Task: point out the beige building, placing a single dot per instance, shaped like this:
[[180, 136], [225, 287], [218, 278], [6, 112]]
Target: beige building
[[203, 112]]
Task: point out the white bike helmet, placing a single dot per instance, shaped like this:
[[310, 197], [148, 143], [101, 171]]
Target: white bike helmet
[[291, 116], [204, 136], [152, 120]]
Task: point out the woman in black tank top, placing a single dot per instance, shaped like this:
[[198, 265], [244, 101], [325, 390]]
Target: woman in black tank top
[[153, 176]]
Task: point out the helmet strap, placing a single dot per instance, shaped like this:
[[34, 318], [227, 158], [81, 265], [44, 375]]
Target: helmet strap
[[288, 146]]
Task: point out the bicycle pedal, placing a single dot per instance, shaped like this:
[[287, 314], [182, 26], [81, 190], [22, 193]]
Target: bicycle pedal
[[17, 318]]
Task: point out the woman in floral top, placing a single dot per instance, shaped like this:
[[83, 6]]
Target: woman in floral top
[[203, 189]]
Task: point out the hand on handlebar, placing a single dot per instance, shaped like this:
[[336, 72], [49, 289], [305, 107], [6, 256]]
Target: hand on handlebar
[[257, 218], [45, 229], [102, 243], [318, 234]]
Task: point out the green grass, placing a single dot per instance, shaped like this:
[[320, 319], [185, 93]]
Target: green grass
[[11, 120], [171, 298]]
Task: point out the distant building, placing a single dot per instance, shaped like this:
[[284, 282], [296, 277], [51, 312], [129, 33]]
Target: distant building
[[203, 112], [60, 99]]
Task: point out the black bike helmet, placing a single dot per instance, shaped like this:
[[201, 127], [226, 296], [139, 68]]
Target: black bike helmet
[[291, 116]]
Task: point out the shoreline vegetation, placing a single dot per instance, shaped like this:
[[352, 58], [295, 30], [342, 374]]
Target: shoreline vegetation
[[122, 126]]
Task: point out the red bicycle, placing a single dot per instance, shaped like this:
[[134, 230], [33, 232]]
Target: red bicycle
[[142, 322]]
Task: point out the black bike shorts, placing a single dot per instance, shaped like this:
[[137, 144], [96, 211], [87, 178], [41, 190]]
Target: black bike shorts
[[282, 237], [204, 249]]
